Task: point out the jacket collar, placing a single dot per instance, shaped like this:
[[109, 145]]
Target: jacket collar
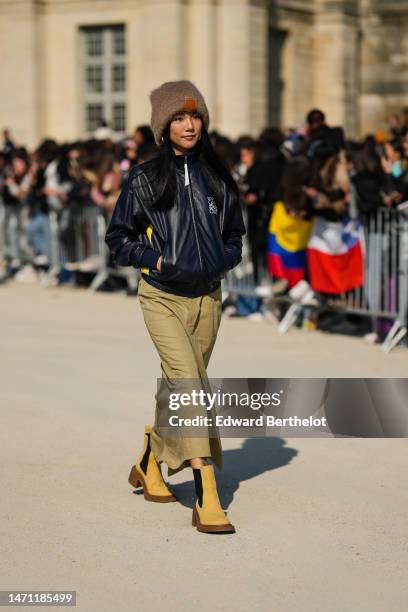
[[191, 157]]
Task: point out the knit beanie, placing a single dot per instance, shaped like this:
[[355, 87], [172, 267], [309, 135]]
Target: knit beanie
[[171, 98]]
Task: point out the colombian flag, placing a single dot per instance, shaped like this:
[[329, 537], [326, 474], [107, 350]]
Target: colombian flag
[[287, 242]]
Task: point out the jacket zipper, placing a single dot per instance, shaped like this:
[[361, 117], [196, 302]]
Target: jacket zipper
[[190, 193]]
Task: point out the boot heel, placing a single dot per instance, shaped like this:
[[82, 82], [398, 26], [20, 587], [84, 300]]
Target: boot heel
[[134, 479], [211, 518]]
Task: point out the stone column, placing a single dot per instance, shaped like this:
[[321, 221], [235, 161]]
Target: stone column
[[201, 58], [337, 62], [241, 46], [159, 50], [293, 20], [384, 62], [19, 105], [258, 67]]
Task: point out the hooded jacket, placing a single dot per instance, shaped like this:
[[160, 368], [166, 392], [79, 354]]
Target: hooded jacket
[[199, 241]]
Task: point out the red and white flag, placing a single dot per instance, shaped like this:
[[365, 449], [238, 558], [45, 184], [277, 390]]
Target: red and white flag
[[335, 256]]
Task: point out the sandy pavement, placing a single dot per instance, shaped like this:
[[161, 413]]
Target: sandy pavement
[[321, 523]]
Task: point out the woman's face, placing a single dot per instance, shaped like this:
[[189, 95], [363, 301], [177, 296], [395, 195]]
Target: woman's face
[[247, 157], [392, 154], [19, 166], [130, 152], [138, 137], [185, 130]]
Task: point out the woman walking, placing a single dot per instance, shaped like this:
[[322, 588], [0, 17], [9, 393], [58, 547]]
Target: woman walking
[[178, 219]]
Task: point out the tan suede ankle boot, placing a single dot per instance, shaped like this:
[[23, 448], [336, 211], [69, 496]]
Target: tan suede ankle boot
[[208, 515], [146, 473]]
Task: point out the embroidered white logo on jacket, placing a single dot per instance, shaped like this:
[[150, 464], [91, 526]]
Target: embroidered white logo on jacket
[[212, 207]]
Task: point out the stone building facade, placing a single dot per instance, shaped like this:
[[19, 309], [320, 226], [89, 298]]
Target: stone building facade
[[66, 64]]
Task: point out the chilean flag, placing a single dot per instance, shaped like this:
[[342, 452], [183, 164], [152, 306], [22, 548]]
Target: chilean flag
[[287, 242], [335, 256]]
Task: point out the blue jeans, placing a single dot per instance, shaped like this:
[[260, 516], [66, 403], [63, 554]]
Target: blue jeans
[[247, 305], [38, 232]]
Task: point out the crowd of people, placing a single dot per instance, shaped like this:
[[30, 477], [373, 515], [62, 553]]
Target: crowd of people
[[61, 178], [313, 171]]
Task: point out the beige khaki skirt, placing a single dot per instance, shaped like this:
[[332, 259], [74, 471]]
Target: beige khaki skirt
[[184, 331]]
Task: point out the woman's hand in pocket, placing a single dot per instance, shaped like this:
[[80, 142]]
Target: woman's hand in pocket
[[159, 263]]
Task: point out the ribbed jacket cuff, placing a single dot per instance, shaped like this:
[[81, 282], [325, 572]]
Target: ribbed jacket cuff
[[149, 258]]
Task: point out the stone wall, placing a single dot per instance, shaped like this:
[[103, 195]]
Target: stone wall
[[295, 18], [336, 62], [19, 69], [384, 85], [349, 57]]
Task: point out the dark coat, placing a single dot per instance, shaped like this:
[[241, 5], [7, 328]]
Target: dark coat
[[198, 241]]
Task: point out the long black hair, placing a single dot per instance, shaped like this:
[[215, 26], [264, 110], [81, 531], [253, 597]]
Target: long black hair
[[296, 176], [161, 170]]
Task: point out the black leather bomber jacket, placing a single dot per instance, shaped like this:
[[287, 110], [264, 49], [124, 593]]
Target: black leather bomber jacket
[[198, 241]]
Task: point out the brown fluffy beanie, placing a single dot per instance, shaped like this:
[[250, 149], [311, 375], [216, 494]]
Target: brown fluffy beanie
[[171, 98]]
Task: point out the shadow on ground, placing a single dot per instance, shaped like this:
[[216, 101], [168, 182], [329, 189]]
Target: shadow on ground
[[256, 455]]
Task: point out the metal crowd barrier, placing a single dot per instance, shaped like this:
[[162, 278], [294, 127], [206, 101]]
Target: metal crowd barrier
[[76, 243], [384, 293], [10, 234]]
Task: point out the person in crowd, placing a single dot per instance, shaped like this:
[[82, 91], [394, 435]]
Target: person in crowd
[[129, 158], [17, 180], [8, 144], [320, 135], [225, 149], [259, 191], [143, 135], [329, 185], [394, 165], [107, 181], [290, 226], [146, 152], [296, 178], [374, 186], [3, 171], [258, 181], [58, 175], [38, 224], [270, 150], [74, 232]]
